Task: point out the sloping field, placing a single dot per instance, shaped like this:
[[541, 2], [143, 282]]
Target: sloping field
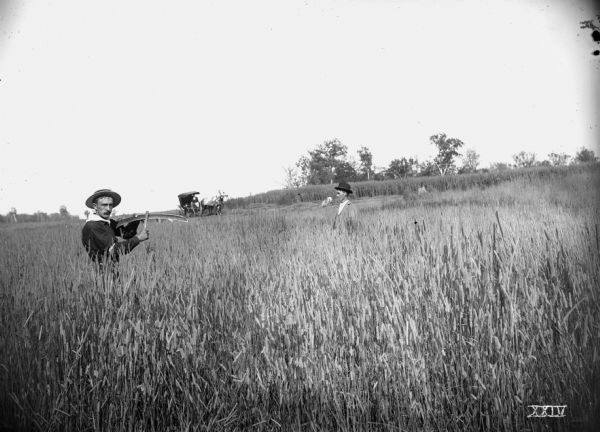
[[266, 319], [408, 187]]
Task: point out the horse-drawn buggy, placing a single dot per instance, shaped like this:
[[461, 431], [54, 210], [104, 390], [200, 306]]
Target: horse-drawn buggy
[[189, 204]]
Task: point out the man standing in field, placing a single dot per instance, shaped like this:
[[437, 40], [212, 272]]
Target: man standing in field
[[99, 234], [346, 212]]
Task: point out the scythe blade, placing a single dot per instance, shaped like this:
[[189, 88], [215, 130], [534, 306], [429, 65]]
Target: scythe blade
[[151, 216]]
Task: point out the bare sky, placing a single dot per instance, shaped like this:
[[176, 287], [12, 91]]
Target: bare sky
[[156, 98]]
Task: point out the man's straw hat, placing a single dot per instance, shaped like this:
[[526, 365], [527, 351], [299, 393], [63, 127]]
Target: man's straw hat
[[102, 193]]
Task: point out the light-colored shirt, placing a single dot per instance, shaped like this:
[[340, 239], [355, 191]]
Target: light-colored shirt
[[346, 211], [342, 205], [94, 217]]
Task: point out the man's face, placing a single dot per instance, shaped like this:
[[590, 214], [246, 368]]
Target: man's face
[[341, 195], [104, 207]]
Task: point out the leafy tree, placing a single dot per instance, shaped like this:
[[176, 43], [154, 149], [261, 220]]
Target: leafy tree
[[379, 173], [293, 179], [558, 159], [428, 168], [345, 171], [499, 166], [524, 159], [40, 216], [319, 170], [323, 163], [447, 151], [584, 155], [63, 212], [366, 162], [303, 166], [400, 168], [470, 161], [325, 159]]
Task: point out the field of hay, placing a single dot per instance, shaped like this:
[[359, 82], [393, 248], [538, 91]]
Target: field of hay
[[266, 319]]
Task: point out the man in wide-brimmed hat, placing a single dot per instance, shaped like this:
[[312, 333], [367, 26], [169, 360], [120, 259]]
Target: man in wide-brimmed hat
[[346, 212], [100, 236]]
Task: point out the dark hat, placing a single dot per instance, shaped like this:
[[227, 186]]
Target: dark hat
[[344, 187], [102, 193]]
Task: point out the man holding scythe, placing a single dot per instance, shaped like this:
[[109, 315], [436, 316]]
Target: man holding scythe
[[100, 234]]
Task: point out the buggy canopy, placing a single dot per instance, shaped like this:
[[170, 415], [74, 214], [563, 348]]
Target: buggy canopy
[[186, 197]]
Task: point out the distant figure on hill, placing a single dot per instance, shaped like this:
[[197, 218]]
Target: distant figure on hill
[[422, 190], [12, 215], [346, 212], [100, 235]]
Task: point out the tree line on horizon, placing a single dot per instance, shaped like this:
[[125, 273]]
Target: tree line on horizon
[[13, 217], [330, 162]]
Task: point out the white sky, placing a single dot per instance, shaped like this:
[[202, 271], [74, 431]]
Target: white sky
[[156, 98]]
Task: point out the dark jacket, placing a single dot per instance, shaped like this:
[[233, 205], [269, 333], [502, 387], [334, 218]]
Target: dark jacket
[[100, 240], [348, 215]]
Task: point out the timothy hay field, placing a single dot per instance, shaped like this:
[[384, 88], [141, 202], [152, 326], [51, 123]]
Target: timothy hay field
[[453, 311]]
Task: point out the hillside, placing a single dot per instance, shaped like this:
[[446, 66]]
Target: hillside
[[550, 182]]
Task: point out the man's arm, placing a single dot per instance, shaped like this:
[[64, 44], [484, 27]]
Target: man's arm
[[124, 246], [128, 231], [130, 240]]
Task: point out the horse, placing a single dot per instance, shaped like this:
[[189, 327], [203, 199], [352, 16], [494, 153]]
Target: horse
[[213, 205]]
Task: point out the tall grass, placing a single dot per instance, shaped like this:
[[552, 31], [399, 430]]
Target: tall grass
[[270, 320]]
